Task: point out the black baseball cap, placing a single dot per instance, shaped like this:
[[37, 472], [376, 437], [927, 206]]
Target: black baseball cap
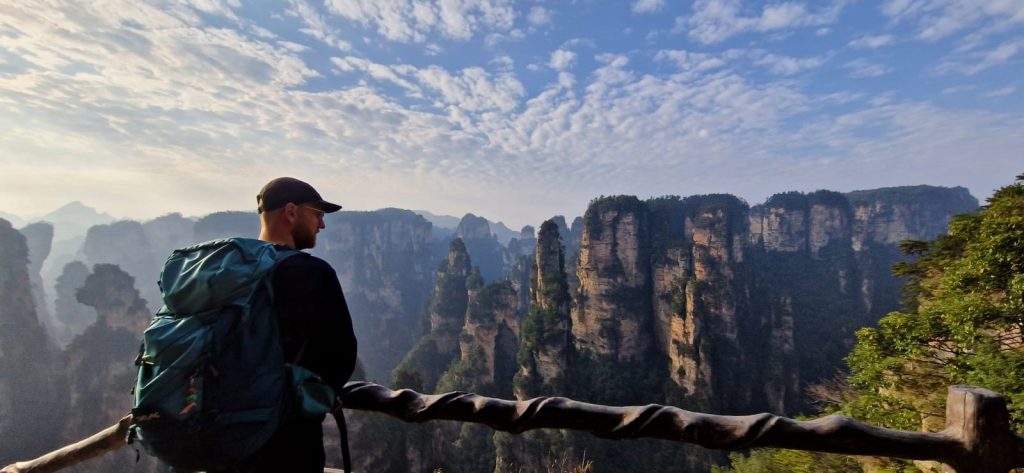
[[283, 190]]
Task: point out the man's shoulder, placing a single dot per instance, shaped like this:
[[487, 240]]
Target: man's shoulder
[[302, 261]]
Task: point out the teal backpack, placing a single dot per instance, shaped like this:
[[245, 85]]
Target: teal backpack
[[213, 385]]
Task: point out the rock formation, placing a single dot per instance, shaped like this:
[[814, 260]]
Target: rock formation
[[169, 232], [100, 362], [125, 244], [446, 315], [482, 246], [612, 315], [73, 316], [383, 260], [227, 224], [30, 387], [39, 237]]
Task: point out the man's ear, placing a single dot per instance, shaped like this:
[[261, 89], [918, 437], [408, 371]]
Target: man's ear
[[291, 212]]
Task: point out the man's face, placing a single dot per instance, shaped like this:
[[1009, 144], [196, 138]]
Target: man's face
[[310, 221]]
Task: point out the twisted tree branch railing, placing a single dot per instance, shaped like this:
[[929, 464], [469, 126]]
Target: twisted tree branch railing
[[977, 437]]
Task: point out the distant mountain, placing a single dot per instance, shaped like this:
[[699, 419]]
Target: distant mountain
[[73, 220], [499, 229], [440, 221], [15, 220]]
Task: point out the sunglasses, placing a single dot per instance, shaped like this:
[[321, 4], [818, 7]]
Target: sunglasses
[[319, 213]]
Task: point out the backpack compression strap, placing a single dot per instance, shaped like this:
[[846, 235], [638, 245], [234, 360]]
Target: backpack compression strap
[[339, 419]]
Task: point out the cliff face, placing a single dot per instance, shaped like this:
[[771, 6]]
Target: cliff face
[[72, 316], [488, 342], [125, 244], [446, 314], [544, 351], [169, 232], [384, 265], [227, 224], [483, 247], [890, 215], [705, 285], [39, 237], [612, 318], [30, 392], [99, 362]]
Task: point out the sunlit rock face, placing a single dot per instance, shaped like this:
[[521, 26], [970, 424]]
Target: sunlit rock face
[[893, 214], [612, 315], [383, 261], [31, 389]]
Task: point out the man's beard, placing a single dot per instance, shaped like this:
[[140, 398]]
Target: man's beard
[[304, 241]]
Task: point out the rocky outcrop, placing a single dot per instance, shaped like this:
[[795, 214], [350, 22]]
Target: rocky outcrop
[[890, 215], [545, 348], [612, 315], [72, 316], [488, 344], [170, 232], [99, 363], [472, 227], [383, 261], [30, 389], [227, 224], [39, 237], [483, 247], [125, 244], [446, 315]]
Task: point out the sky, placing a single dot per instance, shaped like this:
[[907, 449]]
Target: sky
[[517, 111]]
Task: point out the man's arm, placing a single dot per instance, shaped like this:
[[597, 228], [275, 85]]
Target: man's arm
[[315, 318]]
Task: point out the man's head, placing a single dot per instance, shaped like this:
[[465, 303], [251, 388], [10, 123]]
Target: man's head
[[291, 212]]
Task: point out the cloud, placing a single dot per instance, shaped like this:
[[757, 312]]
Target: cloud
[[688, 61], [157, 100], [1001, 92], [414, 20], [864, 68], [977, 61], [539, 16], [647, 6], [562, 59], [316, 25], [714, 21], [473, 89], [871, 42], [787, 66], [938, 19]]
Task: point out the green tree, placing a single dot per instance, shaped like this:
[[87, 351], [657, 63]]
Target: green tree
[[963, 322]]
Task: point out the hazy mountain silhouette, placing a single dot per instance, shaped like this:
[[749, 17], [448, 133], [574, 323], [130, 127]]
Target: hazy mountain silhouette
[[73, 220], [499, 229]]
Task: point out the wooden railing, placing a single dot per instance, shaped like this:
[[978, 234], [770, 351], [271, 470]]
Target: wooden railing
[[977, 437]]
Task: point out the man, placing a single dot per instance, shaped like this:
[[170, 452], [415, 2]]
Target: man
[[315, 325]]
